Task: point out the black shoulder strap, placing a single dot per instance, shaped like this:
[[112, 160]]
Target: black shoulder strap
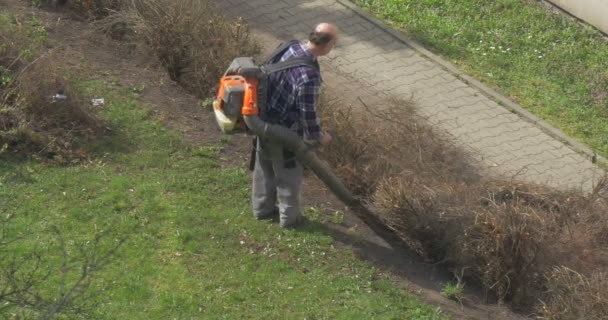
[[270, 66], [279, 51], [291, 63]]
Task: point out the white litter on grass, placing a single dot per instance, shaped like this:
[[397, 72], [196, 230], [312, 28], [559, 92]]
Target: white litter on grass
[[98, 102]]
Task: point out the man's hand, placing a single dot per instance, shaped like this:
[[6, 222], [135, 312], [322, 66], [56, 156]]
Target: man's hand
[[326, 139]]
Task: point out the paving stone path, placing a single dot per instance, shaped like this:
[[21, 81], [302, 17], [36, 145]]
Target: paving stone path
[[373, 64]]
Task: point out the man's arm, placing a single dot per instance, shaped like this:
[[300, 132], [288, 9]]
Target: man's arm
[[307, 100]]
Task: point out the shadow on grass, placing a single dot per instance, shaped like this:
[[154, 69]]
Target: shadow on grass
[[394, 257]]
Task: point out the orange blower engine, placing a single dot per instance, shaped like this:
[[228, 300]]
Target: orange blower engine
[[237, 95]]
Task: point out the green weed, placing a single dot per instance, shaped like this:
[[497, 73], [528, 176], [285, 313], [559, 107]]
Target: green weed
[[322, 216], [453, 291], [39, 3], [6, 77]]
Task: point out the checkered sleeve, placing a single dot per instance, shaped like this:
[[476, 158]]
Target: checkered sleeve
[[306, 101]]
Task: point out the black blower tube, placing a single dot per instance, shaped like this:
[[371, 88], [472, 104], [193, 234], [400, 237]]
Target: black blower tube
[[308, 158], [304, 154]]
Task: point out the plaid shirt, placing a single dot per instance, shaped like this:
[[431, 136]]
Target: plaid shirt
[[293, 96]]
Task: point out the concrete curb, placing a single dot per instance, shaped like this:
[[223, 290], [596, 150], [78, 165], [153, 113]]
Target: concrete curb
[[490, 93]]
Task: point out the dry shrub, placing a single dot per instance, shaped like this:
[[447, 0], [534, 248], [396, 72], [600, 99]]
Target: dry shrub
[[15, 50], [88, 9], [505, 235], [574, 296], [192, 41], [40, 125], [21, 38], [371, 145], [95, 8], [496, 236], [11, 43], [31, 121], [507, 245]]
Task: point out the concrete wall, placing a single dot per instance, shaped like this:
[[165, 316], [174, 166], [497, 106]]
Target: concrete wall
[[594, 12]]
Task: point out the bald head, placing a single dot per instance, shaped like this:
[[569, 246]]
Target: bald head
[[327, 28], [323, 39]]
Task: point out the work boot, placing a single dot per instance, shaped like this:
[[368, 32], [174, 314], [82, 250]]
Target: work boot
[[300, 221], [273, 215]]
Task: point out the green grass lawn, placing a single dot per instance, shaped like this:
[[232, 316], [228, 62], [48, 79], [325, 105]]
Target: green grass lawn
[[191, 250], [547, 62]]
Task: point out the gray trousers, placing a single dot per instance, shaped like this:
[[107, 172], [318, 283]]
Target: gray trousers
[[273, 183]]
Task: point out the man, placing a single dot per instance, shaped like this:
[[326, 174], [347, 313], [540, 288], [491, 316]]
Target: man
[[293, 95]]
